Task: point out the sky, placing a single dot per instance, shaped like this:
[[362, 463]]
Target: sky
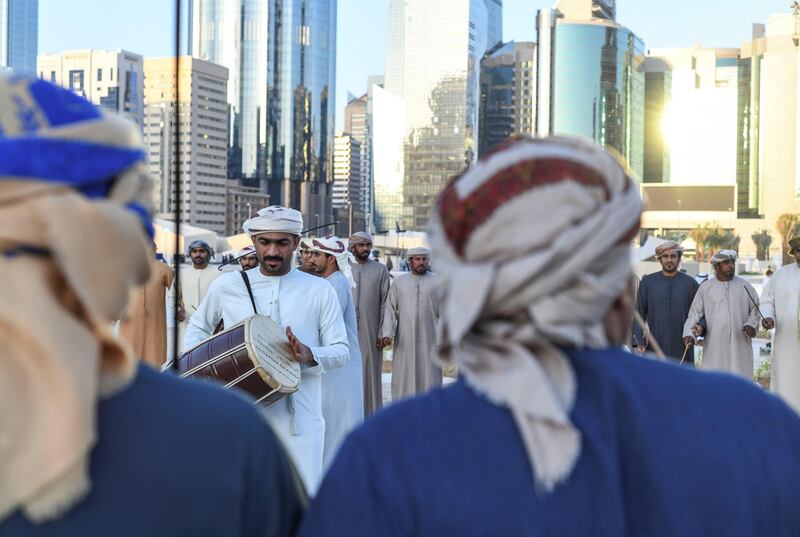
[[147, 29]]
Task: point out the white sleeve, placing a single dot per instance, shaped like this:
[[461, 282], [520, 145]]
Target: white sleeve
[[696, 312], [768, 299], [205, 319], [334, 350]]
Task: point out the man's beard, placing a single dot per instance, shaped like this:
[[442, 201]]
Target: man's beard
[[199, 261], [362, 256]]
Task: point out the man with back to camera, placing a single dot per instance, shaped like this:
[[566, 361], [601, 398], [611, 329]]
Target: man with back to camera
[[93, 443], [552, 428]]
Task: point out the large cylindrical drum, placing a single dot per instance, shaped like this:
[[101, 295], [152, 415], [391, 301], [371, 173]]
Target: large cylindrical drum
[[254, 356]]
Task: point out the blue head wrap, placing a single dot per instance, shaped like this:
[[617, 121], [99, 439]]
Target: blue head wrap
[[50, 135]]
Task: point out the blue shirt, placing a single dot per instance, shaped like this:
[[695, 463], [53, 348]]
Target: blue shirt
[[179, 458], [666, 451]]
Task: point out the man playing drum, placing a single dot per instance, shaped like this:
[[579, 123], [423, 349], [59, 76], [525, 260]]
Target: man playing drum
[[305, 306]]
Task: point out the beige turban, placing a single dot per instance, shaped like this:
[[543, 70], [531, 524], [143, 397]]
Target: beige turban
[[275, 219], [794, 243], [507, 305], [73, 183], [247, 251], [723, 255], [668, 248], [359, 237], [334, 246], [418, 252]]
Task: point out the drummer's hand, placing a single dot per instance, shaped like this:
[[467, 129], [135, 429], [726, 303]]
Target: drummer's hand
[[386, 342], [302, 354], [688, 340], [749, 331], [768, 323], [698, 330]]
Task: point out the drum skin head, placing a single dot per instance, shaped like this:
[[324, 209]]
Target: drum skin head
[[269, 347]]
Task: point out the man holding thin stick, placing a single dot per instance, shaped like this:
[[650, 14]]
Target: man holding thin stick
[[730, 306], [663, 301]]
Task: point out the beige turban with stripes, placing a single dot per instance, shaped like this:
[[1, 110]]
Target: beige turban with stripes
[[505, 235]]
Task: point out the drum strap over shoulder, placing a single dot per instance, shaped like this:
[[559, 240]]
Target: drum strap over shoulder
[[249, 290]]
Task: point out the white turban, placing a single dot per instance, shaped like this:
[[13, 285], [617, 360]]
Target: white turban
[[723, 255], [335, 247], [418, 251], [505, 235], [275, 219]]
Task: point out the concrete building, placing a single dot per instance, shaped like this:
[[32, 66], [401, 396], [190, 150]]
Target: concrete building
[[19, 35], [426, 117], [281, 55], [508, 93], [112, 79], [357, 124], [755, 177], [589, 77], [202, 118], [242, 203], [348, 186]]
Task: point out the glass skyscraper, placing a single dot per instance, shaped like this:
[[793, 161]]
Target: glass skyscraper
[[590, 78], [281, 55], [508, 87], [19, 34], [426, 117]]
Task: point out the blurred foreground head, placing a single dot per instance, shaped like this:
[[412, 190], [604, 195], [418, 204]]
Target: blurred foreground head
[[533, 246], [73, 184]]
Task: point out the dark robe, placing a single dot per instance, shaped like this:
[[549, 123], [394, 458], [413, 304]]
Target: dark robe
[[664, 304]]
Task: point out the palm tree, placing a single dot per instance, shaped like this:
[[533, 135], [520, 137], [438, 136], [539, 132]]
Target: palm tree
[[787, 225], [699, 235], [762, 239], [716, 240]]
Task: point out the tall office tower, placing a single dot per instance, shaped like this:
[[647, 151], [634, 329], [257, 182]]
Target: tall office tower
[[112, 79], [590, 81], [690, 139], [282, 58], [202, 116], [699, 121], [19, 34], [348, 186], [748, 203], [768, 144], [357, 125], [508, 90], [426, 117]]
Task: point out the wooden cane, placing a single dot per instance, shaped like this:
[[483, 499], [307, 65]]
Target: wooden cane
[[649, 334], [685, 350]]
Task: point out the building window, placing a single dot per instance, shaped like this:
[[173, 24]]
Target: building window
[[76, 81], [53, 77], [99, 75]]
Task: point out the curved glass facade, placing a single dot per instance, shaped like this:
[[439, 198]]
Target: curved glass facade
[[234, 34], [598, 87], [281, 55], [432, 79]]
